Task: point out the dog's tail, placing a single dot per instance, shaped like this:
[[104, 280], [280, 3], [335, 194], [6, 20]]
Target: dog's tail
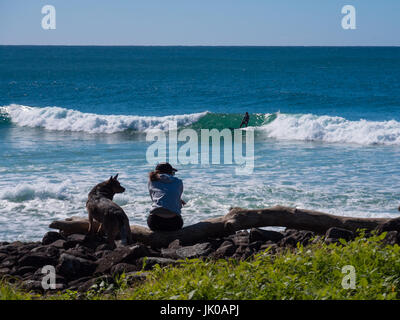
[[125, 232]]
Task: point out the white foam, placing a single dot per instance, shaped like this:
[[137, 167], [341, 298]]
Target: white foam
[[61, 119], [310, 127], [40, 190]]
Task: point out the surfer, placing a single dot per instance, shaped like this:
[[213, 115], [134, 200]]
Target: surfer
[[245, 120]]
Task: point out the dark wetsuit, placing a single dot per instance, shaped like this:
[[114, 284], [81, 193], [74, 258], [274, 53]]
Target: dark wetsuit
[[245, 120]]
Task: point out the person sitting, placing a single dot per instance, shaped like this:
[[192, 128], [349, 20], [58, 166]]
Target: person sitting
[[165, 192]]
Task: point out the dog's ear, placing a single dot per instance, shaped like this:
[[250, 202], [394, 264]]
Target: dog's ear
[[116, 177], [111, 179]]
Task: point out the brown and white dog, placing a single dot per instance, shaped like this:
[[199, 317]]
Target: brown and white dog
[[111, 216]]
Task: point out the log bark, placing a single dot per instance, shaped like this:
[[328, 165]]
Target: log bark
[[237, 219]]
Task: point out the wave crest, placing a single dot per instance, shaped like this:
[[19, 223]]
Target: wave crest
[[308, 127], [41, 190], [61, 119]]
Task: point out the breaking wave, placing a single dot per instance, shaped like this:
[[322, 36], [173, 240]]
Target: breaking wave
[[61, 119], [280, 126]]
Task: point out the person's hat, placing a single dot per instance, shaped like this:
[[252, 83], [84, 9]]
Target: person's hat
[[165, 167]]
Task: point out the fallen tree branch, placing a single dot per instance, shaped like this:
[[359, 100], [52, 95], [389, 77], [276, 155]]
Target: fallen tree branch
[[237, 219]]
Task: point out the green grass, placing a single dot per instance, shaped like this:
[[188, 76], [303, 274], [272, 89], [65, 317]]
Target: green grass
[[312, 272]]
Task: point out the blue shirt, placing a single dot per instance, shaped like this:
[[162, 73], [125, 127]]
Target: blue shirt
[[166, 193]]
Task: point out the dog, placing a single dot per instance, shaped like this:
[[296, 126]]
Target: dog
[[112, 218]]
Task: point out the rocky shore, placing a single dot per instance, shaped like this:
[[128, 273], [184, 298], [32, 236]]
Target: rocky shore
[[82, 263]]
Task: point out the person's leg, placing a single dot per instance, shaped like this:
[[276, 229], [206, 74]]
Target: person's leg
[[153, 222], [157, 223]]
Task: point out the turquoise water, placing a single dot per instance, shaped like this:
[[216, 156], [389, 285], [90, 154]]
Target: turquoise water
[[326, 123]]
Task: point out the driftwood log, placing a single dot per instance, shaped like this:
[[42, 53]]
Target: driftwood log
[[237, 219]]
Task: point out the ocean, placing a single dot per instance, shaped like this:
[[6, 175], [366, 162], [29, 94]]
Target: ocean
[[326, 123]]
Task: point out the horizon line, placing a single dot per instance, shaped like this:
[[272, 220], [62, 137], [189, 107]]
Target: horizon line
[[192, 45]]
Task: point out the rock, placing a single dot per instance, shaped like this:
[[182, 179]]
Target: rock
[[72, 267], [5, 271], [169, 253], [24, 249], [391, 225], [153, 252], [11, 247], [392, 238], [101, 254], [104, 246], [37, 260], [48, 250], [195, 251], [265, 235], [135, 277], [21, 271], [176, 244], [8, 262], [32, 285], [240, 238], [36, 286], [242, 253], [339, 233], [82, 252], [255, 246], [39, 275], [291, 239], [271, 246], [123, 268], [227, 249], [3, 256], [51, 237], [59, 244], [123, 254], [147, 263], [74, 239], [75, 284], [105, 281]]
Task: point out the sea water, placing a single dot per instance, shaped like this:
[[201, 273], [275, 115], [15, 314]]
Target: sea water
[[326, 123]]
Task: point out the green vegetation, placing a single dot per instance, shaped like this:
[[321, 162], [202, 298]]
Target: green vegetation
[[312, 272]]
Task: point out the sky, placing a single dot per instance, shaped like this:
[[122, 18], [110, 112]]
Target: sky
[[201, 22]]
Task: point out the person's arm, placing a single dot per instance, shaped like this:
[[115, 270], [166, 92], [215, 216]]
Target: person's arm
[[181, 190], [148, 186]]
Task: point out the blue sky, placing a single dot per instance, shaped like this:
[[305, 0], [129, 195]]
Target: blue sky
[[200, 22]]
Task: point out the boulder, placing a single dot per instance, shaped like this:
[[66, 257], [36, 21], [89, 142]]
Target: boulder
[[36, 286], [104, 281], [135, 277], [74, 239], [72, 267], [195, 251], [5, 271], [291, 238], [22, 271], [147, 263], [227, 249], [176, 244], [3, 256], [339, 233], [169, 253], [123, 268], [240, 238], [59, 244], [51, 237], [8, 262], [48, 250], [391, 238], [391, 225], [257, 234], [81, 252], [119, 255], [37, 260]]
